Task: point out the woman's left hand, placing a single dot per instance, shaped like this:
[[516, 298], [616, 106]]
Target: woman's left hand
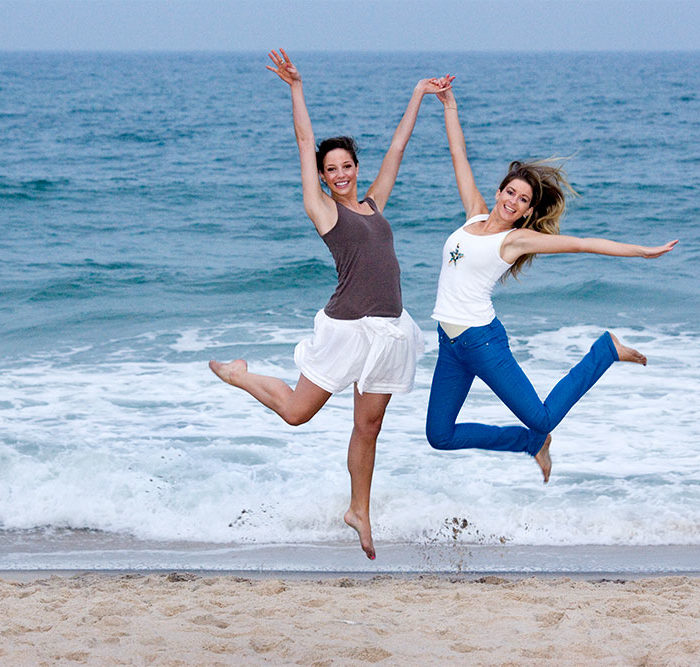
[[657, 251]]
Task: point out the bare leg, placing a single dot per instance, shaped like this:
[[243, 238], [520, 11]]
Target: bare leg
[[369, 413], [296, 406], [625, 353], [543, 459]]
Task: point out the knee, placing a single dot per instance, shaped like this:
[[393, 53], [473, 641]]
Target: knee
[[295, 418], [539, 422], [368, 428], [438, 438]]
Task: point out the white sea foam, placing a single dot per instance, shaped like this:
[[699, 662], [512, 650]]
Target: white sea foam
[[163, 450]]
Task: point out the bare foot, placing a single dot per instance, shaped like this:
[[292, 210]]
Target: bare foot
[[364, 530], [543, 459], [231, 372], [625, 353]]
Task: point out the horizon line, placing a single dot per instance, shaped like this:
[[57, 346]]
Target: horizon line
[[353, 51]]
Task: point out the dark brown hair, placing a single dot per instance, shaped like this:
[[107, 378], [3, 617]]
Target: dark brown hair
[[327, 145]]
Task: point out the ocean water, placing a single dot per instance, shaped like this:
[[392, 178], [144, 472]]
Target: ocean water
[[152, 219]]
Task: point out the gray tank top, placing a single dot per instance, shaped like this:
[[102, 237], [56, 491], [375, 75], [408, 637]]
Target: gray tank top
[[369, 279]]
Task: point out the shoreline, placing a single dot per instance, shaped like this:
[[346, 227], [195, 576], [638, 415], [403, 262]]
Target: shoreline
[[185, 618], [28, 576], [94, 551]]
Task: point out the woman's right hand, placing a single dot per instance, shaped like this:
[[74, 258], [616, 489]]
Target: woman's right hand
[[284, 68], [447, 96], [434, 85]]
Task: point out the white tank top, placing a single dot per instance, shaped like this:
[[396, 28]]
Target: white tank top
[[471, 265]]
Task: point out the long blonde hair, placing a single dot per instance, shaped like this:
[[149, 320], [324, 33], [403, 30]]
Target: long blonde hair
[[549, 187]]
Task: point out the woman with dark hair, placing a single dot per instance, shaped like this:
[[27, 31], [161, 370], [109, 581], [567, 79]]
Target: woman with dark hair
[[492, 244], [363, 336]]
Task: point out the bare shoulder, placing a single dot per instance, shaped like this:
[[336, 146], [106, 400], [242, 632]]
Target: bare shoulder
[[376, 197], [520, 232], [512, 245], [517, 236], [323, 212], [478, 208]]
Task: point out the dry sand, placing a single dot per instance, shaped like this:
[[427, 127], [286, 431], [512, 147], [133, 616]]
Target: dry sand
[[182, 619]]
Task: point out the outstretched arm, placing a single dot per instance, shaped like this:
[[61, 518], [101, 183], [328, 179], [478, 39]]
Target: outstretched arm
[[384, 183], [471, 197], [319, 206], [527, 241]]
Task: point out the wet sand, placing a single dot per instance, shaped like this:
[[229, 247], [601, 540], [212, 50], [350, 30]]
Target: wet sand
[[186, 619]]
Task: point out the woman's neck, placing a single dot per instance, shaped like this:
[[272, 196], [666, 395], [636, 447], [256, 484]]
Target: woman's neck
[[494, 224], [350, 201]]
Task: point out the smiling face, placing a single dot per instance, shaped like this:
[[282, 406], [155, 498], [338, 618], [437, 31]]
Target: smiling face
[[339, 172], [514, 201]]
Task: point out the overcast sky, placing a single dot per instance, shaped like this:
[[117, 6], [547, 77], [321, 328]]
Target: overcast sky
[[349, 25]]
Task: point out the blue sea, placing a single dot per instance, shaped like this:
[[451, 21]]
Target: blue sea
[[151, 219]]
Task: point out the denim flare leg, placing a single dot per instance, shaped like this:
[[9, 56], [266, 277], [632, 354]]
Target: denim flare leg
[[484, 352]]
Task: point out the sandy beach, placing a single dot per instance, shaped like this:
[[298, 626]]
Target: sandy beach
[[187, 619]]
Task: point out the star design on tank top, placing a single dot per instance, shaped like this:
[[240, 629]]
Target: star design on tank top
[[455, 255]]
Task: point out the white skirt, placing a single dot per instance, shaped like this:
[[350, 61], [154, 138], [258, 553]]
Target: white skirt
[[379, 353]]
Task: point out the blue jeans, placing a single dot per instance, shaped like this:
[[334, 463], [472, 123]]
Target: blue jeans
[[484, 352]]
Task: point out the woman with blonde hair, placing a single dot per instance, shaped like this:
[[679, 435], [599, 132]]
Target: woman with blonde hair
[[493, 243]]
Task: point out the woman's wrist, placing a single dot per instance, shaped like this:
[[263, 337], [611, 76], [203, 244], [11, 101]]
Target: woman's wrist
[[424, 86], [420, 89]]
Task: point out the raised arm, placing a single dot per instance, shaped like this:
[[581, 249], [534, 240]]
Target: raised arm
[[471, 197], [318, 205], [384, 183], [529, 242]]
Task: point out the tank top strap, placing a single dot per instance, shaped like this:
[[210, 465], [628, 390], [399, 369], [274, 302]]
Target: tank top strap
[[372, 204], [477, 218]]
